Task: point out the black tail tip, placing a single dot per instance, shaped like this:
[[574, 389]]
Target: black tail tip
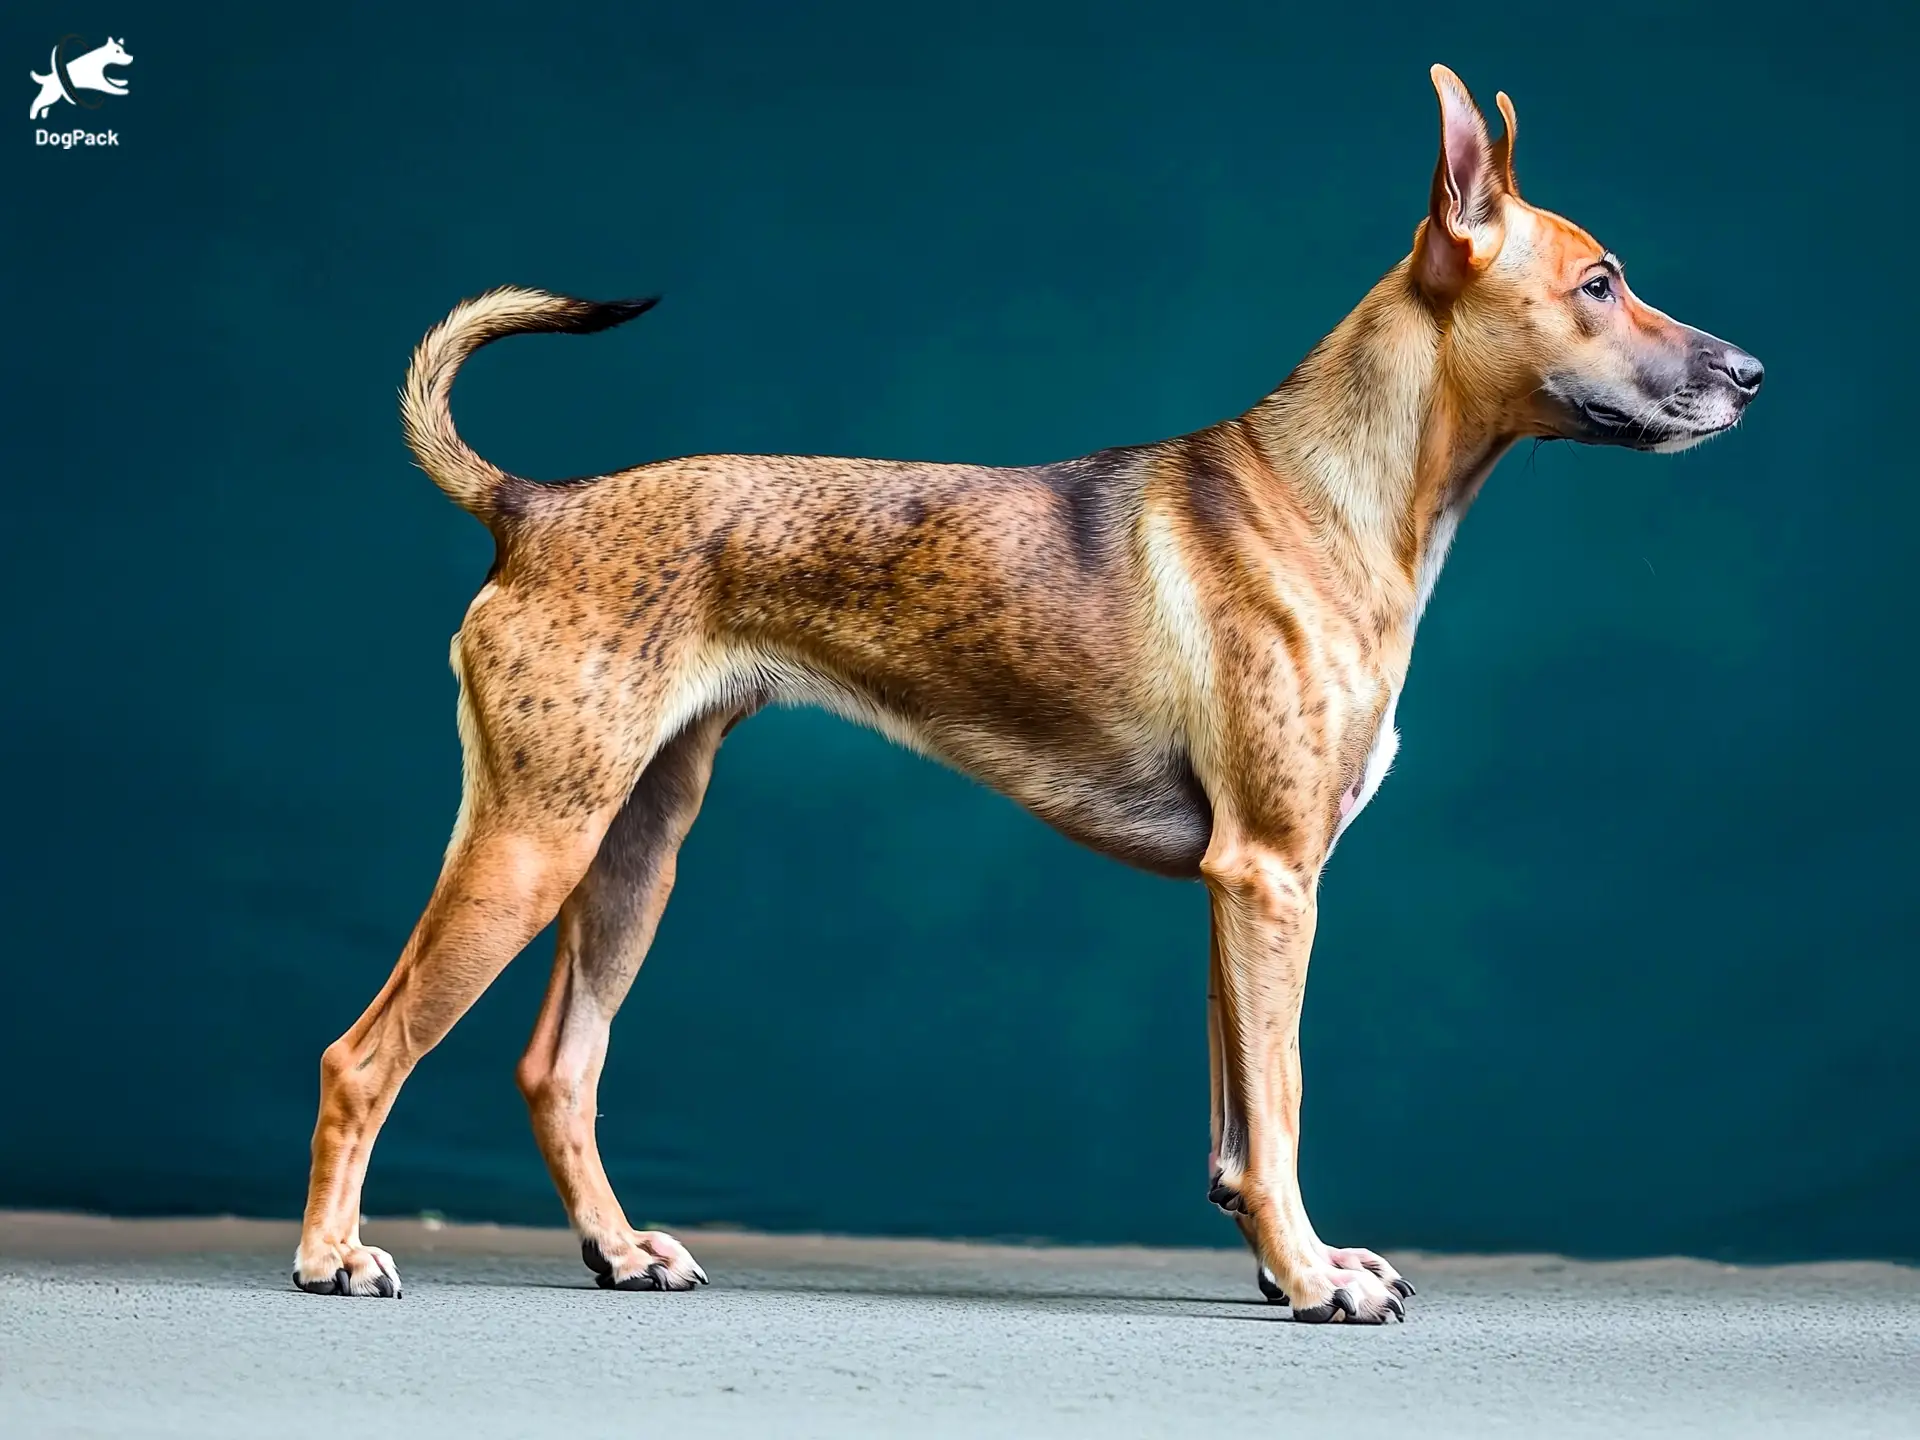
[[589, 316]]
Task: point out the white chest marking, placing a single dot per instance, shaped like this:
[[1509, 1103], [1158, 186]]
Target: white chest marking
[[1386, 743]]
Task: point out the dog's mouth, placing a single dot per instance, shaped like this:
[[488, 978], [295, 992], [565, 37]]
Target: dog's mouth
[[1610, 425], [1669, 424]]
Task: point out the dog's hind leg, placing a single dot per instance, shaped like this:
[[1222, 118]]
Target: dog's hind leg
[[606, 926], [500, 886], [541, 788]]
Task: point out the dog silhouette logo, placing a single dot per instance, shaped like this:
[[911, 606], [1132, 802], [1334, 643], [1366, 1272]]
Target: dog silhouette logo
[[70, 77]]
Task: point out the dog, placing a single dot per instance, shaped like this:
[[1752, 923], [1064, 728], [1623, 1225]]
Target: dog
[[86, 72], [1185, 654]]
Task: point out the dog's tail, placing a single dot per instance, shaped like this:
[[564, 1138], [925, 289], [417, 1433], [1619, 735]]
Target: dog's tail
[[478, 487]]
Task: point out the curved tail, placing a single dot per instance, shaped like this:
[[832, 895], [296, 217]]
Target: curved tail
[[478, 487]]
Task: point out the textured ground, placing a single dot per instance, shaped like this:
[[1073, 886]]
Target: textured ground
[[114, 1328]]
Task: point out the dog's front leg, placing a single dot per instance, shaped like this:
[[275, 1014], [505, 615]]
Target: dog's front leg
[[1263, 923], [1225, 1125]]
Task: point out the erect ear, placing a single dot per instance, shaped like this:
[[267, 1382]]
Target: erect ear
[[1461, 234], [1503, 147]]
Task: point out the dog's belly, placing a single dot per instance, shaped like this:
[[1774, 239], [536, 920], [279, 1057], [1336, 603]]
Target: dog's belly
[[1147, 811], [1160, 820], [1138, 803]]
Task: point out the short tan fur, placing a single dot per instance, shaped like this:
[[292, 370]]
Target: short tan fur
[[1185, 654]]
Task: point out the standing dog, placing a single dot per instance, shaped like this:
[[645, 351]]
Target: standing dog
[[1184, 654]]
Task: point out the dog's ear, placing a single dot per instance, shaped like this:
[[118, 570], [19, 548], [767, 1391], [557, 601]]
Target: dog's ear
[[1459, 237], [1503, 147]]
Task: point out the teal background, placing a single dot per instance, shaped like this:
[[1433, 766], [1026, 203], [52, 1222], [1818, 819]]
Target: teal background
[[1621, 960]]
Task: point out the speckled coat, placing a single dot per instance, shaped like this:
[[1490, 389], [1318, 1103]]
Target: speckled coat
[[1186, 655]]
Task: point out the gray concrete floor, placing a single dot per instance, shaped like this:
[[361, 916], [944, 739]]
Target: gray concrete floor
[[117, 1328]]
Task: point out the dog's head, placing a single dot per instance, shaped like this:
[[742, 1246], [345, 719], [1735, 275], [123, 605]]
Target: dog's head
[[1542, 319], [114, 53]]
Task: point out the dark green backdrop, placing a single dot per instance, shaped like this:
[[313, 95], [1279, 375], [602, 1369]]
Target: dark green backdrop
[[1621, 960]]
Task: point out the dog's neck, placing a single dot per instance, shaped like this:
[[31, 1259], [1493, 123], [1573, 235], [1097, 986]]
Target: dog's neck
[[1378, 450]]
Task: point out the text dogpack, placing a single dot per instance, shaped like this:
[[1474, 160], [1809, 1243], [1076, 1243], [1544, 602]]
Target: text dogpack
[[67, 139]]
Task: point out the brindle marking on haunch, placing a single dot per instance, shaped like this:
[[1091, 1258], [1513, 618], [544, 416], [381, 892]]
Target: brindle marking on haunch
[[1186, 655]]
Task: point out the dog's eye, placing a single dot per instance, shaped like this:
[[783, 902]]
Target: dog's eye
[[1600, 287]]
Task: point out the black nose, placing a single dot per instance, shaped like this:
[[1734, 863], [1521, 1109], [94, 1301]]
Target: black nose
[[1741, 368]]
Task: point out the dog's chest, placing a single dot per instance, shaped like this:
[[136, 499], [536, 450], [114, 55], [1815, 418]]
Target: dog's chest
[[1386, 740]]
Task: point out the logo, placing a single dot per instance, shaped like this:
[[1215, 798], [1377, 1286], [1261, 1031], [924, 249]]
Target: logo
[[70, 80]]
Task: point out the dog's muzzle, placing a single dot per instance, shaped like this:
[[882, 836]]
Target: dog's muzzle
[[1669, 411]]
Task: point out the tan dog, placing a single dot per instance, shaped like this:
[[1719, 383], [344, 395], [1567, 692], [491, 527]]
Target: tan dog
[[1184, 654]]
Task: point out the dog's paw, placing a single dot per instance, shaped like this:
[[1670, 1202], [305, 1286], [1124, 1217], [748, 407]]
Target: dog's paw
[[1375, 1266], [641, 1260], [326, 1268], [1330, 1294]]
